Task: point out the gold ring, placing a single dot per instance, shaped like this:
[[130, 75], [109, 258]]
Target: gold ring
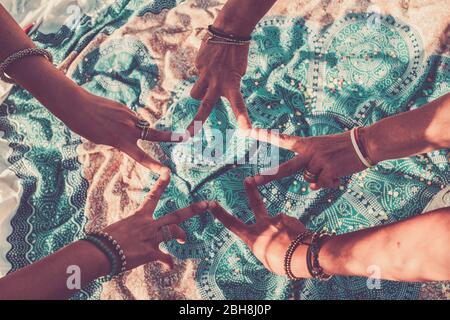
[[144, 126], [309, 177]]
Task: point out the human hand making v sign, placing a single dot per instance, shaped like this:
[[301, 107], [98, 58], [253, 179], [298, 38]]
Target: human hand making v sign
[[97, 119], [410, 250], [221, 63], [324, 159], [139, 236]]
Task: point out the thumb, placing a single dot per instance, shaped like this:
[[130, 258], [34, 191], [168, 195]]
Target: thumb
[[165, 258]]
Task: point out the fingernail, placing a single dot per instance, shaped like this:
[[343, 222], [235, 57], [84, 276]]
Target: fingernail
[[249, 181], [165, 173], [243, 133], [314, 187], [212, 204], [203, 204], [258, 179]]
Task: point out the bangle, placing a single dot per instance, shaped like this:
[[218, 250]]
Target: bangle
[[359, 148], [312, 256], [362, 147], [115, 255], [20, 55], [219, 37], [300, 239], [227, 36]]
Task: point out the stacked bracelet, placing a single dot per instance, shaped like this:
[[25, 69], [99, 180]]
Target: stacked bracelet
[[300, 239], [112, 250], [312, 256], [359, 147], [18, 56], [219, 37]]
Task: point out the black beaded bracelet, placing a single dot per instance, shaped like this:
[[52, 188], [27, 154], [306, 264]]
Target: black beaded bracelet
[[112, 250], [312, 256], [225, 36], [112, 257], [300, 239], [116, 246]]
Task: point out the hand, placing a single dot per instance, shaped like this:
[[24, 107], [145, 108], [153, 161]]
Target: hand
[[104, 121], [220, 68], [327, 157], [139, 235], [269, 238]]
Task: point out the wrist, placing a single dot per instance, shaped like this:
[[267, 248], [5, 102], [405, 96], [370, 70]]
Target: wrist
[[371, 143], [46, 83], [231, 24], [328, 257], [99, 263], [298, 264]]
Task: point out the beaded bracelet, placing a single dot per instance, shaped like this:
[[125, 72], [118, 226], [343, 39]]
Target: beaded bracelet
[[116, 246], [116, 255], [20, 55], [112, 257], [312, 256], [300, 239]]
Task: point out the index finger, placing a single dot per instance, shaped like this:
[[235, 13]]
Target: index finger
[[285, 169], [152, 198], [205, 109], [183, 214], [254, 199], [272, 137], [135, 152], [229, 221], [239, 109], [162, 136]]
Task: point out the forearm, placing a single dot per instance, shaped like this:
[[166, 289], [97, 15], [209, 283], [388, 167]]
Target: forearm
[[410, 133], [240, 17], [415, 249], [36, 74], [47, 278]]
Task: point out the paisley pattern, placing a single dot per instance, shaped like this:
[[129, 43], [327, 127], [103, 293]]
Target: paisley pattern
[[299, 81]]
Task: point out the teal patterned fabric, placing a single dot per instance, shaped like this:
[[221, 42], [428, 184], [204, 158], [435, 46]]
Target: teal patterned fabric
[[51, 211], [308, 85], [298, 82]]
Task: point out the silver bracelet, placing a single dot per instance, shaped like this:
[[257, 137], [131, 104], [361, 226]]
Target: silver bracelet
[[18, 56]]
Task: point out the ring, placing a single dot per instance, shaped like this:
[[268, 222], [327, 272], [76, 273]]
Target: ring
[[144, 126], [166, 233], [309, 177]]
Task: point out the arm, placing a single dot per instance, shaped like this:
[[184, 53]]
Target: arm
[[35, 73], [417, 131], [240, 17], [221, 66], [52, 273], [332, 156], [415, 249], [95, 118], [138, 235]]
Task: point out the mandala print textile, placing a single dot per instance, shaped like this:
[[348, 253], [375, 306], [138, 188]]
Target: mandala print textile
[[308, 75]]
